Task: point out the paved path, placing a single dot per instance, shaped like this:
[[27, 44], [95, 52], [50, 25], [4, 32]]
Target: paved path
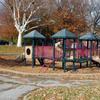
[[13, 87]]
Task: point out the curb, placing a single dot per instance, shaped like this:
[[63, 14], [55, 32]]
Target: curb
[[94, 76]]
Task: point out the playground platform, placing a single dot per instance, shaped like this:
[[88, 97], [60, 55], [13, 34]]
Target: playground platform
[[96, 60]]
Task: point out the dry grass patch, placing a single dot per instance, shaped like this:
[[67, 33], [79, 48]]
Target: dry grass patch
[[64, 93], [11, 49]]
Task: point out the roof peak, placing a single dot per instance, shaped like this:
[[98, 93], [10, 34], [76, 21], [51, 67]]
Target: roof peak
[[88, 36], [64, 33], [34, 34]]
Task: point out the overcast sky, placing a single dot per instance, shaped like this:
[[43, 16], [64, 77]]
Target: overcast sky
[[0, 3]]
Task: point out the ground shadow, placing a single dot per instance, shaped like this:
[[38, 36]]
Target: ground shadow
[[10, 62]]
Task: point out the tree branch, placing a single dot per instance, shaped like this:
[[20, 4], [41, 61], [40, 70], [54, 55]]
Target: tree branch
[[34, 27], [29, 5]]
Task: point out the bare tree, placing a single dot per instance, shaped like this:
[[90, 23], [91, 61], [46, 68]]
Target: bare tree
[[93, 15], [23, 13], [72, 15], [89, 10]]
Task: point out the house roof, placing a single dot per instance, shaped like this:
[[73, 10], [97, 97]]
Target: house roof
[[64, 33], [98, 37], [34, 34], [89, 37]]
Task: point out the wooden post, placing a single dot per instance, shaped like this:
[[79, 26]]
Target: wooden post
[[80, 55], [87, 52], [41, 59], [98, 48], [64, 55], [53, 54], [33, 53], [74, 58], [90, 53], [97, 53]]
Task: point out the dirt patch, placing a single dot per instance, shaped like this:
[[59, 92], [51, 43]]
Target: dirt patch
[[11, 63]]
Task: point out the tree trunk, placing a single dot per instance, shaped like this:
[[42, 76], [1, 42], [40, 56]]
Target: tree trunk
[[19, 40]]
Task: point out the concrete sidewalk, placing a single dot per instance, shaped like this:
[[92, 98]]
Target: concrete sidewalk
[[13, 87]]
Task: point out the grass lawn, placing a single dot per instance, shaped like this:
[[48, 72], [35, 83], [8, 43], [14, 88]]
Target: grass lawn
[[64, 93], [11, 49]]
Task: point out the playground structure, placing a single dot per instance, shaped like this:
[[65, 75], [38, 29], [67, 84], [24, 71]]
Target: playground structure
[[75, 54], [94, 49]]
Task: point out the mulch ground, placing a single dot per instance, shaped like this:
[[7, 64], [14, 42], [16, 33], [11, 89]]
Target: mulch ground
[[11, 63]]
